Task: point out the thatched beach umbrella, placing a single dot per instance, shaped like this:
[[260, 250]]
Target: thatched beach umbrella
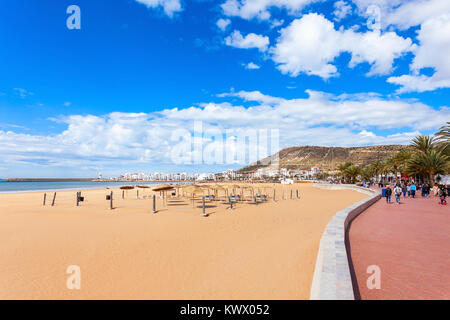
[[163, 188], [126, 188], [217, 188], [143, 188], [193, 189]]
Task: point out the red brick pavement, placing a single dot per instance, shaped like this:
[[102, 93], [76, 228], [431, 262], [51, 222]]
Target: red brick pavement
[[410, 243]]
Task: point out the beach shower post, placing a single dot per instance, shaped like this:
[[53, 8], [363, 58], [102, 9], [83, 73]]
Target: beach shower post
[[154, 203], [111, 201], [203, 205]]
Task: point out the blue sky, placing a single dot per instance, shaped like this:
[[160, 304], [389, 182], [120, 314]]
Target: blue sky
[[109, 96]]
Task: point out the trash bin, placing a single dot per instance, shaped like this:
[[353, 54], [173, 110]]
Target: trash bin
[[383, 192]]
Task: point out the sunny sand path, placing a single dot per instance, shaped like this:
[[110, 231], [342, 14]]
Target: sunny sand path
[[254, 252]]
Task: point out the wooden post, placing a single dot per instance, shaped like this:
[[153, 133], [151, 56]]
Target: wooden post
[[203, 201], [45, 197], [137, 194], [297, 193], [154, 203], [111, 201], [291, 194], [274, 195], [53, 201], [78, 198], [123, 194]]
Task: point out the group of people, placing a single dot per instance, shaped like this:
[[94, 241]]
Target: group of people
[[410, 189]]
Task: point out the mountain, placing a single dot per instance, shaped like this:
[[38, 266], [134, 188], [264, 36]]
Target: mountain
[[326, 158]]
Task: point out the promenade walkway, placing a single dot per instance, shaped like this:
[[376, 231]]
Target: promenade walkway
[[410, 243]]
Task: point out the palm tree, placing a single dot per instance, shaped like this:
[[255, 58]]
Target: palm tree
[[423, 143], [376, 168], [428, 164], [401, 160], [367, 173], [443, 139], [342, 168], [352, 172]]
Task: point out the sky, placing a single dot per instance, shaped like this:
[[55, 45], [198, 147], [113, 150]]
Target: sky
[[124, 86]]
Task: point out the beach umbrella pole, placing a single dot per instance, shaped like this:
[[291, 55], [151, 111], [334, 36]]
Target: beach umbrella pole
[[154, 203], [203, 204], [54, 197]]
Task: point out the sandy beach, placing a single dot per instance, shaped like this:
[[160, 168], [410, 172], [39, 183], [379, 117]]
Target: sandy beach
[[264, 251]]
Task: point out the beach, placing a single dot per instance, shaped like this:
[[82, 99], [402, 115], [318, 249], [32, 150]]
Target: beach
[[264, 251]]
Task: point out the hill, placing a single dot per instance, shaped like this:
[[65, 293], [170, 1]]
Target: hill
[[326, 158]]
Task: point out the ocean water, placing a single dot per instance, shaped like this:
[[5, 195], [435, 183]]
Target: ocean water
[[10, 187]]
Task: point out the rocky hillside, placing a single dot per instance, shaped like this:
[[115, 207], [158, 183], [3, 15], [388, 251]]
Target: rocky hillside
[[327, 158]]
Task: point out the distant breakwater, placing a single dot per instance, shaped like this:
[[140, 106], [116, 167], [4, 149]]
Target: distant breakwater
[[46, 179]]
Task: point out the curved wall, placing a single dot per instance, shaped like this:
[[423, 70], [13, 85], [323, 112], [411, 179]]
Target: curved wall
[[332, 278]]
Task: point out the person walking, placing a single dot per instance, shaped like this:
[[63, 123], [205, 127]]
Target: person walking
[[443, 195], [408, 189], [413, 190], [398, 193], [404, 190], [427, 190], [435, 190], [388, 194]]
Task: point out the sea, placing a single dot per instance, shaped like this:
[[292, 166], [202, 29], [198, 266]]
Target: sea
[[31, 186]]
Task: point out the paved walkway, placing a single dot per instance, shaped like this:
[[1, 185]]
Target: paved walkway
[[410, 243]]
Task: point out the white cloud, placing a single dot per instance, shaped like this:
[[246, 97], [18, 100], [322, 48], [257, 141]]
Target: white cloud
[[341, 10], [170, 7], [405, 14], [132, 138], [251, 66], [251, 40], [433, 52], [248, 9], [310, 45], [67, 104], [22, 92], [223, 23]]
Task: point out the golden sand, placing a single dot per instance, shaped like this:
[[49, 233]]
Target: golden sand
[[266, 251]]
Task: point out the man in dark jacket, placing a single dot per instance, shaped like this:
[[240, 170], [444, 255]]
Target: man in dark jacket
[[388, 194]]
